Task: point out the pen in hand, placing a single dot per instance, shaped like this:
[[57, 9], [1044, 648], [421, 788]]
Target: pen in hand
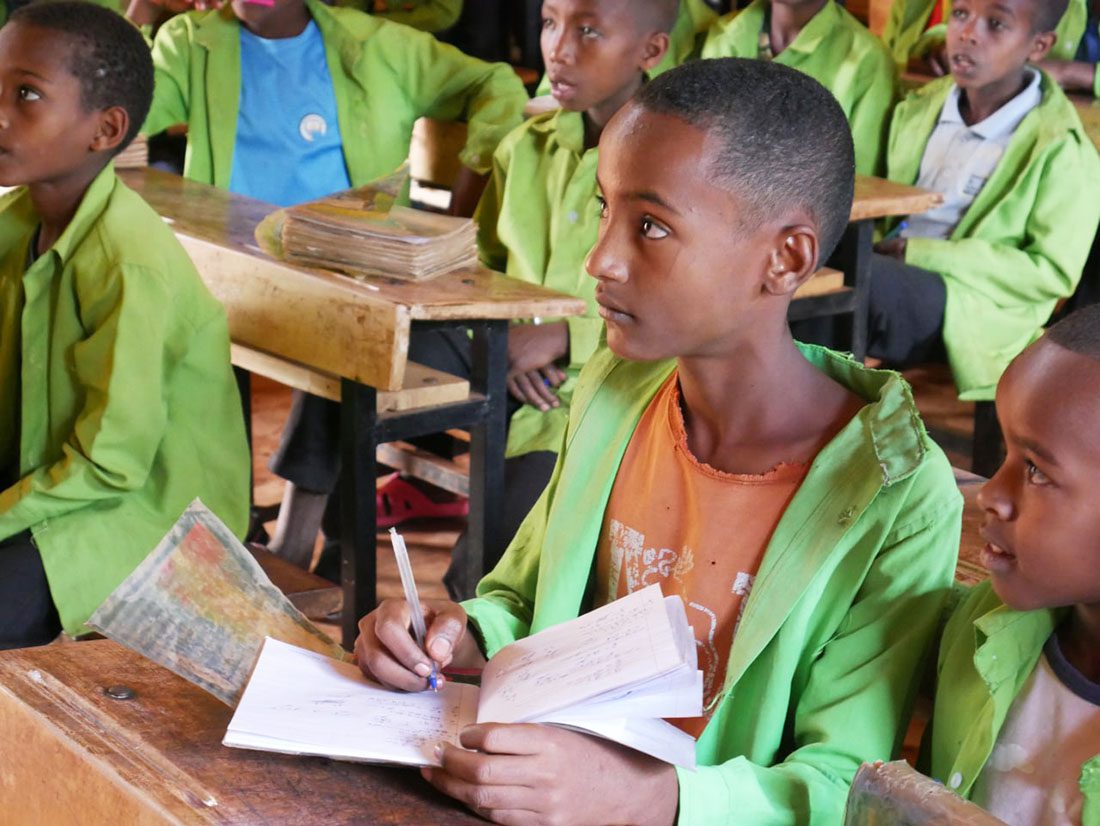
[[408, 583]]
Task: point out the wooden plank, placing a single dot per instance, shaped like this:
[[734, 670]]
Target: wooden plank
[[879, 198], [421, 386], [410, 460], [825, 280], [158, 758], [434, 150], [1088, 109], [969, 569]]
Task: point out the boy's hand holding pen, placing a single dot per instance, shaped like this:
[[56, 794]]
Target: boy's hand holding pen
[[892, 244]]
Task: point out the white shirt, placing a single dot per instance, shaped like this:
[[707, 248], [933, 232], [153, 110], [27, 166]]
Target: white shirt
[[1032, 778], [959, 158]]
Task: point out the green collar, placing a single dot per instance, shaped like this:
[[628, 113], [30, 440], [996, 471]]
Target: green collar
[[813, 34]]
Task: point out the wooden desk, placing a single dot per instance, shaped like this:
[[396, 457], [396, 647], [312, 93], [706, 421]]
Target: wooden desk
[[969, 570], [357, 330], [1088, 109], [874, 198], [71, 753]]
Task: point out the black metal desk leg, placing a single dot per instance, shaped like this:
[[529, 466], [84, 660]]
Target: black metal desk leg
[[358, 542], [487, 442], [853, 258]]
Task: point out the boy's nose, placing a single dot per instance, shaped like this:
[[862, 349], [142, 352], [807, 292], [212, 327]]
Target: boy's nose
[[559, 49], [603, 264], [995, 496]]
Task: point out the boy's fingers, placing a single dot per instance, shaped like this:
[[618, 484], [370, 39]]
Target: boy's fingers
[[376, 662], [503, 738], [527, 391], [544, 387], [488, 769], [391, 628], [554, 374], [446, 628]]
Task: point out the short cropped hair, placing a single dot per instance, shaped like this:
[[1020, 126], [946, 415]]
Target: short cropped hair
[[1046, 14], [657, 14], [1079, 332], [105, 53], [784, 142]]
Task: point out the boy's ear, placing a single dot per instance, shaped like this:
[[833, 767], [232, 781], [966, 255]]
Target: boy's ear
[[793, 260], [654, 50], [114, 123], [1041, 44]]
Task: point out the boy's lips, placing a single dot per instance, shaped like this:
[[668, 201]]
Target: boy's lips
[[996, 558], [562, 89], [963, 63], [612, 312]]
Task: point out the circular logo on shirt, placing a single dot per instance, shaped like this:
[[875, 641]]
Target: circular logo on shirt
[[312, 126]]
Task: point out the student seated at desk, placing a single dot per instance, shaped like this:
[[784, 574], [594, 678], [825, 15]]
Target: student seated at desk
[[538, 220], [916, 30], [1016, 721], [975, 279], [427, 15], [118, 402], [290, 102], [823, 40], [1076, 72], [790, 495]]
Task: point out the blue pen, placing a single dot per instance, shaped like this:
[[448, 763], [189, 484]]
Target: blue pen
[[896, 231], [408, 583]]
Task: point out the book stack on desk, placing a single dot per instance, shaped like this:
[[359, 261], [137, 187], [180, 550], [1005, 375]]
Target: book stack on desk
[[342, 233]]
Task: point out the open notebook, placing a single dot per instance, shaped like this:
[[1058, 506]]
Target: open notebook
[[615, 672]]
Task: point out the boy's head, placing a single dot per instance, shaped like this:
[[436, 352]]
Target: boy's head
[[1041, 523], [991, 41], [596, 51], [76, 82], [723, 184]]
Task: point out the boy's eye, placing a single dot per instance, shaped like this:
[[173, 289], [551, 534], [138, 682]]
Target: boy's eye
[[601, 204], [28, 93], [547, 23], [958, 14], [652, 230], [588, 31], [1034, 475]]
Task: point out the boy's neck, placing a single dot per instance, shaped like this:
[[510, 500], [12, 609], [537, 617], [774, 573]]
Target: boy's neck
[[760, 403], [283, 22], [977, 104], [788, 21], [1079, 639], [56, 203], [596, 118]]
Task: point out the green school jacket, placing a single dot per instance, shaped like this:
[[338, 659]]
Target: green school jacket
[[1022, 243], [820, 675], [426, 15], [113, 5], [836, 50], [129, 406], [906, 38], [385, 76], [537, 221], [987, 653]]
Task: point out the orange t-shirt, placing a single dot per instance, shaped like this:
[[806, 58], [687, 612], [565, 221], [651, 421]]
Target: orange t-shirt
[[695, 530]]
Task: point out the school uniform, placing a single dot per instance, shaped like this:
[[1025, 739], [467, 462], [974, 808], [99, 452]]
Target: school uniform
[[992, 661], [907, 34], [1022, 241], [836, 50], [129, 409], [693, 18], [384, 77], [426, 15], [820, 673]]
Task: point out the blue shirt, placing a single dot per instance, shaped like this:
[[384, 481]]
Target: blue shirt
[[288, 146]]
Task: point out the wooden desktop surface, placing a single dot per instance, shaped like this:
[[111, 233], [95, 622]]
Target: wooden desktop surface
[[349, 327], [71, 753], [1088, 109], [880, 198]]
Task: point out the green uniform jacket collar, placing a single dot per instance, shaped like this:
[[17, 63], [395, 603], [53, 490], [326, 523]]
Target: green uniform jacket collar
[[565, 128], [750, 22], [1048, 122], [219, 34]]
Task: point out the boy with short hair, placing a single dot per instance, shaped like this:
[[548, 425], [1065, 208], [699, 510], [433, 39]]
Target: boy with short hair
[[788, 494], [979, 275], [119, 405], [1016, 724], [537, 222], [820, 38], [916, 30]]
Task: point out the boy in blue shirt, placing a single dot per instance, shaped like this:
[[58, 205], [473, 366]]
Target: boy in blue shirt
[[1016, 723]]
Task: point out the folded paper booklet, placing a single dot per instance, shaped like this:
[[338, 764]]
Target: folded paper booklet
[[360, 232], [615, 672]]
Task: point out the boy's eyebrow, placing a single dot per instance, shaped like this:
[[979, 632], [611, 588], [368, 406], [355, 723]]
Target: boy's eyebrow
[[649, 196], [1034, 447], [1005, 9], [35, 75]]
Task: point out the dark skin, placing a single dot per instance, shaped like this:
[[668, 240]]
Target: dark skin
[[687, 271], [1041, 525], [1073, 75], [596, 53], [989, 44], [48, 140], [788, 18]]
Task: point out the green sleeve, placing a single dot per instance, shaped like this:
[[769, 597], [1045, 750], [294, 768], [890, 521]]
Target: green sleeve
[[119, 369], [1041, 259], [446, 84], [426, 15], [1095, 82], [584, 338], [491, 250], [172, 77], [860, 687], [871, 115]]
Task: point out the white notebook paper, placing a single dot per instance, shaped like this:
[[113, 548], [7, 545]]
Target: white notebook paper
[[615, 672]]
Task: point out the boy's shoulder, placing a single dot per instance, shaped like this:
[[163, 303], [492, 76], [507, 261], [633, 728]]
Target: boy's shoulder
[[206, 27], [545, 133]]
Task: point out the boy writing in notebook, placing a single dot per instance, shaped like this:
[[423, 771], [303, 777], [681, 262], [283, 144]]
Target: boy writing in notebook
[[293, 101], [118, 402], [822, 39], [976, 278], [1016, 723], [537, 221], [787, 493]]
